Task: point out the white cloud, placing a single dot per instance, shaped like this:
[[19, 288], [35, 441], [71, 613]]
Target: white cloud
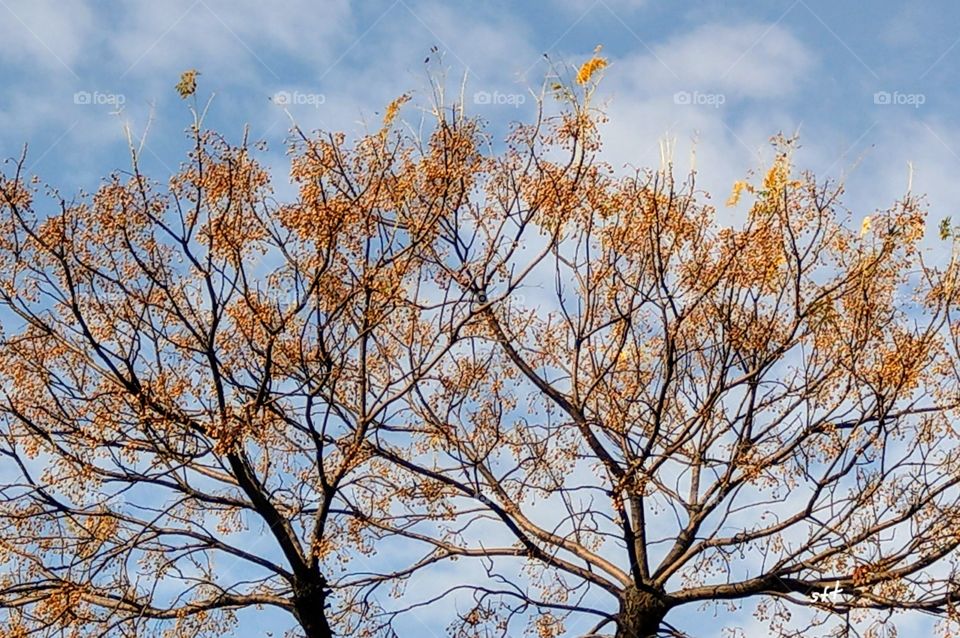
[[753, 60], [46, 33], [709, 90], [225, 37]]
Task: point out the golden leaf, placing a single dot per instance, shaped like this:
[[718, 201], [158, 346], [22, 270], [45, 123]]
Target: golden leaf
[[738, 188], [188, 83], [392, 109], [590, 67]]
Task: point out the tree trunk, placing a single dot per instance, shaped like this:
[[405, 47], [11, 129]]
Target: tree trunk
[[641, 614], [310, 610]]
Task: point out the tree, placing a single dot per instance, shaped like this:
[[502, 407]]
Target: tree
[[192, 364], [606, 404], [713, 414]]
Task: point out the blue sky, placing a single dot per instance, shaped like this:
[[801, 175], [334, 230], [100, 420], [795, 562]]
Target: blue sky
[[869, 86], [747, 69]]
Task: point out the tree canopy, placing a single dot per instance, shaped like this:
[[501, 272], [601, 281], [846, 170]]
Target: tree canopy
[[581, 401]]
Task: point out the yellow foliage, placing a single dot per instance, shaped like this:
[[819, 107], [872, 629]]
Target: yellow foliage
[[590, 67], [187, 85], [738, 188], [393, 108], [777, 177]]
